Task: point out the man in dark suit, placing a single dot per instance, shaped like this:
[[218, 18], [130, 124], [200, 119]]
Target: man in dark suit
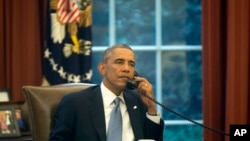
[[85, 115]]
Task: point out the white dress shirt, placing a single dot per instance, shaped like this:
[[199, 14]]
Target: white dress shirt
[[108, 98]]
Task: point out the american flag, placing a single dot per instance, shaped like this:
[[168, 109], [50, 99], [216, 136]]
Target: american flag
[[67, 11], [67, 55]]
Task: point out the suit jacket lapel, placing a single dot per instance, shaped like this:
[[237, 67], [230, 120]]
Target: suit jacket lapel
[[134, 114], [96, 110]]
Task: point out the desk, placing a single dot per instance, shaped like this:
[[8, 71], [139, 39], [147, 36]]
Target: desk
[[22, 138]]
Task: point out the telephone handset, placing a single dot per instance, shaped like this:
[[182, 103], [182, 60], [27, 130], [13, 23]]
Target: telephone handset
[[132, 85]]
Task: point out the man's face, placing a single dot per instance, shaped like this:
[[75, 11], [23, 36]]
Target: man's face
[[118, 68]]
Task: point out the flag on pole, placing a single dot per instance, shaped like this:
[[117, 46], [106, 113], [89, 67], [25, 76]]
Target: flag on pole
[[67, 54]]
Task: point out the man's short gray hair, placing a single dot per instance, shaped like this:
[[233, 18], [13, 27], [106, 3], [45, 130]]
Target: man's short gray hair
[[108, 51]]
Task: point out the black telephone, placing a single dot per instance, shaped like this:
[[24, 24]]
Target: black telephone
[[132, 85]]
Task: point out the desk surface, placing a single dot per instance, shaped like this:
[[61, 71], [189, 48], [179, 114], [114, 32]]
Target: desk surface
[[22, 138]]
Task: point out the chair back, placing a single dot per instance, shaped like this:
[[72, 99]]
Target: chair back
[[42, 102]]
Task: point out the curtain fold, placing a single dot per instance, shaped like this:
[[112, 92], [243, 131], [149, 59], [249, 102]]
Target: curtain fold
[[238, 61], [21, 42], [226, 32]]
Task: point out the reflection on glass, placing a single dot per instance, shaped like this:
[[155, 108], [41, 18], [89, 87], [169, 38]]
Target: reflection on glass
[[182, 83], [145, 65], [183, 133], [96, 58], [135, 22], [100, 26], [181, 22]]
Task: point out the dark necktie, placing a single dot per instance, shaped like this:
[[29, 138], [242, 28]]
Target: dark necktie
[[115, 123]]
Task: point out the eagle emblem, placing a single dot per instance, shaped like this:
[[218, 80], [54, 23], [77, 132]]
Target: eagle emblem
[[69, 16]]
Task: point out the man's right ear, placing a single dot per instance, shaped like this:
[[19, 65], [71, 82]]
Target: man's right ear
[[101, 68]]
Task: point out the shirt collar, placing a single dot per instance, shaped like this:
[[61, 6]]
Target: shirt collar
[[108, 96]]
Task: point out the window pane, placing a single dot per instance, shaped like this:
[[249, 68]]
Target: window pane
[[96, 58], [182, 83], [100, 30], [183, 133], [135, 22], [181, 22], [145, 64]]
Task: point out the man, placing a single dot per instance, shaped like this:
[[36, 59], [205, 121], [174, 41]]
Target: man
[[85, 115]]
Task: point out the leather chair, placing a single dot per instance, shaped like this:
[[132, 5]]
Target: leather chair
[[42, 102]]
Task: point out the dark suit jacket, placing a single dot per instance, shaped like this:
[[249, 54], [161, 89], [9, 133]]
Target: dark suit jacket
[[80, 117]]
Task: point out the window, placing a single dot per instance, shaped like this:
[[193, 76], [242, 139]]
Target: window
[[166, 36]]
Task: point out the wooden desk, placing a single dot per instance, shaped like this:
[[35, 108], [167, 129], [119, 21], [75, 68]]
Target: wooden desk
[[22, 138]]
